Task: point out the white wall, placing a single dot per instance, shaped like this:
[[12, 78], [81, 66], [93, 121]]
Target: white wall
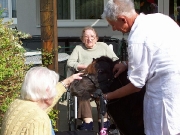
[[28, 20], [26, 17]]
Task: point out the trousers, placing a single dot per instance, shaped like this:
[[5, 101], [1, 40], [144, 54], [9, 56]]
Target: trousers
[[85, 109]]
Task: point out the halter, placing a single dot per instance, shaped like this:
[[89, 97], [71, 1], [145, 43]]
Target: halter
[[87, 76]]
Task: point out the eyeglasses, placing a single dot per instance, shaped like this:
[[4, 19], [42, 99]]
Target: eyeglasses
[[90, 37]]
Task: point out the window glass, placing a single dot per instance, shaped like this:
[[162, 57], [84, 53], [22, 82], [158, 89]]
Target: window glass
[[174, 10], [4, 6], [14, 15], [75, 13], [63, 9], [83, 9], [146, 6], [88, 9], [9, 7]]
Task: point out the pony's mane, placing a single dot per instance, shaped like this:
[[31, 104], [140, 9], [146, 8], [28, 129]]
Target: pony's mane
[[91, 69], [104, 58]]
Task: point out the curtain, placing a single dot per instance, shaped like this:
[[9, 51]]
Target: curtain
[[88, 9], [63, 9]]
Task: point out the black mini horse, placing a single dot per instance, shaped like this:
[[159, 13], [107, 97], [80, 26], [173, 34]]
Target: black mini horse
[[126, 112]]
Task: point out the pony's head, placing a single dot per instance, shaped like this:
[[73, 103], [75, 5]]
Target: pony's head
[[104, 69], [84, 87], [99, 74]]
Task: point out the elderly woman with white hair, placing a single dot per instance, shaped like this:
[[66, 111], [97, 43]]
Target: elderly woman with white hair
[[40, 91]]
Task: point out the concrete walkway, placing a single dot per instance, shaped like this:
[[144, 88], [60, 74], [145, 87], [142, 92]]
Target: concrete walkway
[[63, 122]]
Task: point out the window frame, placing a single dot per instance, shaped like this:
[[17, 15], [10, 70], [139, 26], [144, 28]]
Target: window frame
[[76, 22], [9, 18]]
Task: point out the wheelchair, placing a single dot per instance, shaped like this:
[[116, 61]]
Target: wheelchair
[[72, 103], [72, 107]]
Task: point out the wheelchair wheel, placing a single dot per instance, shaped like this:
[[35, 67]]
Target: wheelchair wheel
[[71, 112]]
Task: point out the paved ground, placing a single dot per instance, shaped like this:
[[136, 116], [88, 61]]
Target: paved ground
[[63, 122]]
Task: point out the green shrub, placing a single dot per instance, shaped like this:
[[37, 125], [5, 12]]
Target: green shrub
[[12, 67], [12, 64]]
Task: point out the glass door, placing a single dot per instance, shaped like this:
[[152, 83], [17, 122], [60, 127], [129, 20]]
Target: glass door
[[168, 7], [146, 6], [174, 10]]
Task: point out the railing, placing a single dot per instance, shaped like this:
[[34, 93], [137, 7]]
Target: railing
[[67, 44]]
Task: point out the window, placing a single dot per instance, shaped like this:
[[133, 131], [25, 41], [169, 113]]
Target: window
[[168, 7], [80, 13], [9, 7], [146, 6], [174, 10]]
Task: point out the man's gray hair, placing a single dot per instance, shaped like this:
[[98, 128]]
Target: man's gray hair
[[39, 84], [114, 8]]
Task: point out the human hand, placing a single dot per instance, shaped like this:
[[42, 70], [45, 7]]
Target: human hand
[[119, 68]]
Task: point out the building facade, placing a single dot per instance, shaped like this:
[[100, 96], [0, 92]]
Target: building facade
[[73, 15]]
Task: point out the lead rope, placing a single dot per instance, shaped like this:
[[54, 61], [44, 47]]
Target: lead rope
[[103, 131]]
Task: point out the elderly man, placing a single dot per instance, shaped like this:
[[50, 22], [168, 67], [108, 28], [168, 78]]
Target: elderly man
[[153, 59]]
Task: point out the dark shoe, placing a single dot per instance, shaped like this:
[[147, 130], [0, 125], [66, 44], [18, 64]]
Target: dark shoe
[[106, 125], [86, 126]]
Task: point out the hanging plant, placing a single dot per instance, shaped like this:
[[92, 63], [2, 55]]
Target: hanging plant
[[47, 57]]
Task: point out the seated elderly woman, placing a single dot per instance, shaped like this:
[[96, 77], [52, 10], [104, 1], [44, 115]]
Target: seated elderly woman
[[80, 58], [40, 91]]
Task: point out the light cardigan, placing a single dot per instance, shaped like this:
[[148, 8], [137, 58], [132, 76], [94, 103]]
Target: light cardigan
[[83, 55], [27, 118]]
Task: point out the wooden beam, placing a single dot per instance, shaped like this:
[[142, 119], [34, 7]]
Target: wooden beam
[[55, 36], [49, 38], [48, 17]]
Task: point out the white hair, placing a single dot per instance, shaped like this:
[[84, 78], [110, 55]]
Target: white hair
[[39, 84], [114, 8]]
